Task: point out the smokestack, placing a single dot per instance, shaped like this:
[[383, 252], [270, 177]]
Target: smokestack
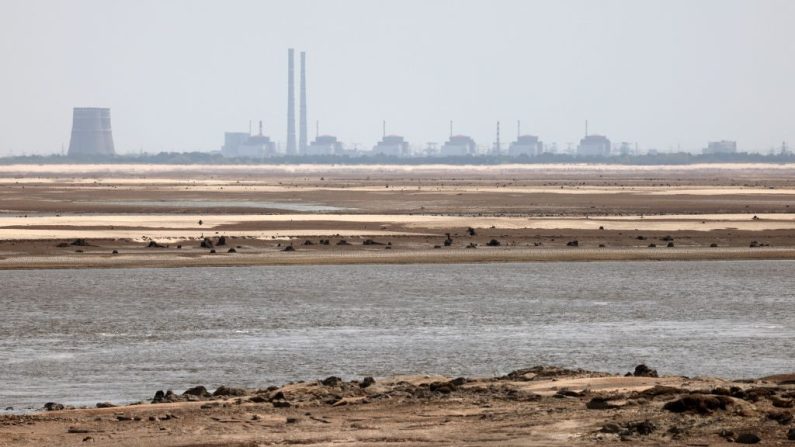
[[91, 132], [497, 145], [302, 141], [291, 150]]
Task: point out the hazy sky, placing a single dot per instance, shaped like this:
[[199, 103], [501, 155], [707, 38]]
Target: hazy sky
[[177, 74]]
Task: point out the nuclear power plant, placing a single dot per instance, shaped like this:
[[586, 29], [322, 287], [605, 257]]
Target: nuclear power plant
[[91, 133]]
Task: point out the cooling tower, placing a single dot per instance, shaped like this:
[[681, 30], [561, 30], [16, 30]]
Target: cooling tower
[[302, 138], [290, 103], [91, 133]]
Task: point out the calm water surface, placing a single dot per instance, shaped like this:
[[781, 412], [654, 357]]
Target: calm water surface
[[83, 336]]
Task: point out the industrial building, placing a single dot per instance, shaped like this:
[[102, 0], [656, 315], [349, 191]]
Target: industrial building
[[91, 133], [594, 146], [721, 147], [527, 145], [392, 146], [324, 145], [458, 146], [244, 145]]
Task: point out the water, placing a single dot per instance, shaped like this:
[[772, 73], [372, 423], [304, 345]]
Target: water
[[286, 206], [83, 336]]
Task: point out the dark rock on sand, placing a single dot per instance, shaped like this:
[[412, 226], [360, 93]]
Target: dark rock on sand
[[493, 243], [747, 438], [231, 250], [791, 434], [367, 382], [643, 428], [471, 231], [574, 243], [53, 406], [221, 241], [308, 242], [159, 397], [105, 405], [610, 427], [782, 417], [343, 242], [80, 243], [600, 403], [206, 243], [698, 403], [289, 248], [229, 391], [153, 244], [331, 381], [371, 242], [280, 404], [644, 371], [198, 391]]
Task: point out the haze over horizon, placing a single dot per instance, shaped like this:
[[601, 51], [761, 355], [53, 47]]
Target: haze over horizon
[[178, 74]]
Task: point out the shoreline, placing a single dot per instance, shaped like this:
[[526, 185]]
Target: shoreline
[[541, 405], [371, 257]]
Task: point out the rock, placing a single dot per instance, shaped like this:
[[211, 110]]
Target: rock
[[221, 241], [231, 250], [610, 427], [343, 242], [289, 248], [53, 406], [782, 417], [367, 382], [698, 403], [643, 428], [88, 439], [782, 403], [124, 418], [62, 245], [80, 243], [280, 404], [644, 371], [641, 238], [229, 391], [493, 243], [105, 405], [212, 251], [292, 420], [667, 238], [371, 242], [713, 245], [600, 403], [753, 244], [471, 231], [791, 434], [258, 399], [114, 252], [331, 381], [670, 245], [206, 243], [747, 438], [153, 244], [308, 242], [652, 245], [472, 245], [198, 391], [574, 243], [442, 387]]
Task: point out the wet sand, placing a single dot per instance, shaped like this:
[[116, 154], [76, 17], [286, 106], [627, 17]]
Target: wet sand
[[390, 214], [541, 406]]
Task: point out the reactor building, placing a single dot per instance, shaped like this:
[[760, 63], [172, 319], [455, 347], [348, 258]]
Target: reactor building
[[91, 133]]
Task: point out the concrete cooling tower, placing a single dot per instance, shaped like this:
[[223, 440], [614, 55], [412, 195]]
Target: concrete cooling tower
[[91, 133]]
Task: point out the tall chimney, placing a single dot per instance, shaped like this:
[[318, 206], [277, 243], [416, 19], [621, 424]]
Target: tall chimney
[[302, 140], [91, 132], [291, 150]]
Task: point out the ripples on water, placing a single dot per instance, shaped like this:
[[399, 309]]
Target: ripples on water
[[82, 336]]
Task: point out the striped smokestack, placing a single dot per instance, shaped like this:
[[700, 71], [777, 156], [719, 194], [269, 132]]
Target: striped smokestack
[[291, 150], [302, 140]]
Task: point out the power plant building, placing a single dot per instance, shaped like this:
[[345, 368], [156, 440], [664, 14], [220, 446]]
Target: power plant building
[[721, 147], [527, 145], [392, 146], [244, 145], [594, 146], [91, 133], [458, 146], [324, 145]]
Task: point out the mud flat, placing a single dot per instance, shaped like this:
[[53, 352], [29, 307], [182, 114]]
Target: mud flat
[[539, 406], [392, 214]]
